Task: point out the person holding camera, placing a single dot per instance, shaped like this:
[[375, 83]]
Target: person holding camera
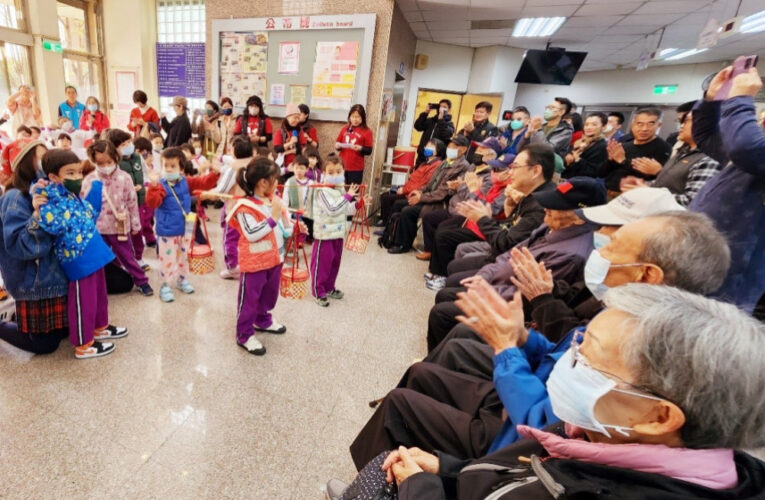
[[434, 123]]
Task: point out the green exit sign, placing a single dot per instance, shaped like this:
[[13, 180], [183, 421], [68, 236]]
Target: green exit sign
[[664, 89], [52, 46]]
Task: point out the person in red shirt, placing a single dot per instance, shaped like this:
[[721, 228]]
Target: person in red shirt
[[142, 115], [354, 143], [290, 139], [93, 118], [309, 130], [254, 123]]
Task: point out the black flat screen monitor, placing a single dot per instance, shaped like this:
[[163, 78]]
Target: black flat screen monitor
[[555, 67]]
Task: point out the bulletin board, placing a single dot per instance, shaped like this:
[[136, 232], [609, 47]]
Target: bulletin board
[[324, 61]]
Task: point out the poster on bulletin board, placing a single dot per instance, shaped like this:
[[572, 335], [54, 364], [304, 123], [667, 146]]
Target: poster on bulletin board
[[243, 65], [289, 58], [334, 75]]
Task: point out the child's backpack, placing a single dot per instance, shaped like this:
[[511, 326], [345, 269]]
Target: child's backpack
[[388, 238]]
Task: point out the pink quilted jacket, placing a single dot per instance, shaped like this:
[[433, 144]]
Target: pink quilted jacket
[[119, 187]]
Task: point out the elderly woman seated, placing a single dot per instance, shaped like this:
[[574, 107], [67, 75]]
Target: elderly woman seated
[[656, 395]]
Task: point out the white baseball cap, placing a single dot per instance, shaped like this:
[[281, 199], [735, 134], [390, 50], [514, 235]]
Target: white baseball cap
[[631, 206]]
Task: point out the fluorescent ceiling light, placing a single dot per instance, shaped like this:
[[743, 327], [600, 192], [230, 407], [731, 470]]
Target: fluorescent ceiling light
[[537, 26], [675, 54], [753, 23]]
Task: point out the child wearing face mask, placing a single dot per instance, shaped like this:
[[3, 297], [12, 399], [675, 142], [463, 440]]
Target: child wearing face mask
[[71, 219], [295, 192], [198, 158], [130, 163], [119, 218], [264, 225], [170, 197], [254, 123], [329, 206]]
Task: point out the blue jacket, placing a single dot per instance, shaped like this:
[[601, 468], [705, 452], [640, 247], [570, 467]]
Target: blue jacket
[[169, 216], [29, 266], [735, 198], [73, 113], [72, 220], [520, 377]]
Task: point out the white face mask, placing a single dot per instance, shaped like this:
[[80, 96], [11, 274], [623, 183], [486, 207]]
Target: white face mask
[[575, 390], [451, 153], [107, 170], [253, 110], [198, 151], [600, 240], [595, 272], [608, 128]]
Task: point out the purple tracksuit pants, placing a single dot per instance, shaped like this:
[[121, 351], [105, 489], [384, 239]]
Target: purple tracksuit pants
[[258, 293], [325, 265], [125, 254], [230, 242], [88, 307]]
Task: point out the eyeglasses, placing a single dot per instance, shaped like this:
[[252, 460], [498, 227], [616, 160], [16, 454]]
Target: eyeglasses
[[516, 165], [578, 357]]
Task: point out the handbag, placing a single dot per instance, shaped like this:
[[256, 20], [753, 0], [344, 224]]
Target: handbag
[[360, 233], [293, 282], [371, 483]]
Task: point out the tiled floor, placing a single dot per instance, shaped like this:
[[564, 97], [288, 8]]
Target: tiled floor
[[179, 411]]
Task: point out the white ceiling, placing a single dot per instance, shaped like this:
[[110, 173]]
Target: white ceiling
[[613, 32]]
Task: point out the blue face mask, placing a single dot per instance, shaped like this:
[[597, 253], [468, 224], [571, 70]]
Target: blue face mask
[[226, 111], [334, 180], [600, 240], [128, 150], [428, 152], [92, 108], [516, 124], [175, 176]]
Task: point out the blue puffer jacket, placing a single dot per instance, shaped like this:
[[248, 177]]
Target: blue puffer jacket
[[520, 377], [28, 263], [169, 216], [735, 198]]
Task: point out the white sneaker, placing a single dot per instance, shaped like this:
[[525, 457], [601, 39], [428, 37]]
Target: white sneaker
[[253, 346], [436, 283], [229, 274], [274, 328]]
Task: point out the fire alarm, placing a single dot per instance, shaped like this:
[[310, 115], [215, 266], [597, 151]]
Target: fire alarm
[[421, 61]]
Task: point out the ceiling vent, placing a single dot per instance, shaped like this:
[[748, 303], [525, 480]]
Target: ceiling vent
[[494, 24]]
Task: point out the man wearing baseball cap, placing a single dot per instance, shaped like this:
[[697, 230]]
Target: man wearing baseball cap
[[563, 242]]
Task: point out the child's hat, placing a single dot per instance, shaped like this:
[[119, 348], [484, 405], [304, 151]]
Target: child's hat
[[15, 152]]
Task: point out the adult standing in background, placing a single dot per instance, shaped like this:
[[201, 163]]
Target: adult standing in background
[[93, 118], [224, 127], [255, 123], [179, 130], [72, 109], [24, 108], [479, 128], [354, 142], [143, 116], [434, 123], [312, 137], [210, 131]]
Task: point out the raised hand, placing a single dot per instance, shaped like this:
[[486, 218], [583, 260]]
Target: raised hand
[[498, 322], [532, 278]]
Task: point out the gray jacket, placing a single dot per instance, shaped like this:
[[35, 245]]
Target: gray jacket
[[559, 138]]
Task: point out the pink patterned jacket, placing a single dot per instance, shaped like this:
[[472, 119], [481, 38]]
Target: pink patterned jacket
[[121, 192]]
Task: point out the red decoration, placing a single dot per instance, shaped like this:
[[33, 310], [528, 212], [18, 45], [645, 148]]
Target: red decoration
[[565, 187], [270, 23], [305, 22], [287, 23]]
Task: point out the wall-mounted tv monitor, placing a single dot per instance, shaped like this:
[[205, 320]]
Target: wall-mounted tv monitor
[[555, 66]]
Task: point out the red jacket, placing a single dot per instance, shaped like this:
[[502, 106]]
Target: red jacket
[[353, 161], [281, 136], [100, 121], [261, 127], [150, 116], [421, 176]]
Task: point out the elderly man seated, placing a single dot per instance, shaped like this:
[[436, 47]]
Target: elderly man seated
[[655, 406], [438, 408], [563, 242]]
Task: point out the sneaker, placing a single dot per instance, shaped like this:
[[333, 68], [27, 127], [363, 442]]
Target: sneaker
[[94, 350], [184, 286], [436, 283], [428, 276], [111, 332], [322, 301], [379, 233], [253, 346], [335, 489], [143, 265], [336, 294], [166, 294], [229, 274], [146, 290], [274, 328]]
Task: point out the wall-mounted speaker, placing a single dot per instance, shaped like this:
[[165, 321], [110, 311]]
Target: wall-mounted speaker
[[420, 61]]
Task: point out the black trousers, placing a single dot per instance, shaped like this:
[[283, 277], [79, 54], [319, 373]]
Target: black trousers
[[437, 409], [37, 343], [463, 351], [387, 201], [442, 318], [449, 234], [430, 222], [472, 264], [356, 177], [407, 225]]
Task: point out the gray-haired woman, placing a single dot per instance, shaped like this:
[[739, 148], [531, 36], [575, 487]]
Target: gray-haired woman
[[660, 390]]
